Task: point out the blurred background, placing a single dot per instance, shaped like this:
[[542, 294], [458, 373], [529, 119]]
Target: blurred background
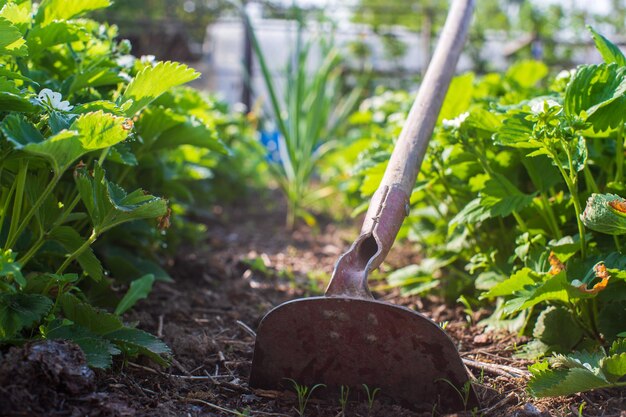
[[391, 39]]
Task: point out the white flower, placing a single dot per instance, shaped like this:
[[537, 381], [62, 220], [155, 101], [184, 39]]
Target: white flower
[[377, 102], [125, 61], [123, 75], [378, 117], [538, 105], [398, 118], [566, 74], [239, 108], [456, 122], [147, 59], [53, 100]]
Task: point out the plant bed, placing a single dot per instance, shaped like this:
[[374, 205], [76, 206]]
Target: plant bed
[[221, 291]]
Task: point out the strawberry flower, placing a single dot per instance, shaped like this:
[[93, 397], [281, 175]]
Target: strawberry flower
[[53, 100]]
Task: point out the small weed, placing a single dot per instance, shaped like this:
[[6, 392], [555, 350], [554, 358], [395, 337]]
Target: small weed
[[371, 395], [343, 398], [468, 310], [581, 408], [464, 392], [304, 393]]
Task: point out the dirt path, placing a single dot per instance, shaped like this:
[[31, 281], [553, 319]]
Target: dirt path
[[208, 317]]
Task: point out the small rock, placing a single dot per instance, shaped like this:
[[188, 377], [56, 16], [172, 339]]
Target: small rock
[[529, 410], [482, 339]]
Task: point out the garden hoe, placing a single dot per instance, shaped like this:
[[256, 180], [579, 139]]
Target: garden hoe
[[347, 338]]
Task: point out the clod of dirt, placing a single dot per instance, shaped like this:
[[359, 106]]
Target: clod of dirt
[[38, 378], [530, 410]]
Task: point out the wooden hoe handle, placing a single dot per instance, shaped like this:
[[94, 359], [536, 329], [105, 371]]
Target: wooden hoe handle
[[390, 202]]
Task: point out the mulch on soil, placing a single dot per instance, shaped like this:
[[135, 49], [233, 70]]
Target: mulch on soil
[[208, 317]]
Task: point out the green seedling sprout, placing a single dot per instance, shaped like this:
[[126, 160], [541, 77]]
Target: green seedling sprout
[[464, 392], [343, 398], [304, 393], [371, 395]]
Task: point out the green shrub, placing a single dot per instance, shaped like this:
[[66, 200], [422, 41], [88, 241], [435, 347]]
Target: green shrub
[[84, 126], [499, 205]]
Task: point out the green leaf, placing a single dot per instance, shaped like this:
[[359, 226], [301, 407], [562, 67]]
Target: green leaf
[[60, 150], [12, 75], [498, 198], [611, 319], [139, 289], [618, 346], [554, 382], [192, 132], [605, 213], [109, 205], [10, 268], [135, 341], [91, 318], [11, 40], [71, 241], [598, 91], [95, 77], [542, 172], [614, 367], [41, 38], [609, 51], [519, 280], [100, 130], [556, 328], [125, 265], [19, 131], [91, 131], [516, 131], [153, 81], [51, 10], [458, 97], [98, 350], [155, 120], [18, 311], [122, 154], [552, 289], [527, 73], [14, 100]]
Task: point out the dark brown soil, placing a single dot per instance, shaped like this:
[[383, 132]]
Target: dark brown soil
[[249, 264]]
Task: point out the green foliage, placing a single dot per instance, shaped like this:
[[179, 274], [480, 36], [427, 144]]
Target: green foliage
[[153, 81], [21, 310], [70, 158], [307, 118], [139, 289], [578, 371], [304, 393], [497, 210]]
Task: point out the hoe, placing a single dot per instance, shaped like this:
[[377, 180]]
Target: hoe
[[347, 338]]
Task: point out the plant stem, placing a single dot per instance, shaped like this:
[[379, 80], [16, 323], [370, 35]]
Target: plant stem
[[592, 186], [551, 216], [6, 197], [40, 241], [618, 246], [619, 154], [92, 238], [18, 202], [11, 239], [573, 190]]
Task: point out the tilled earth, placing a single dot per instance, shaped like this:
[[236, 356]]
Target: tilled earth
[[248, 265]]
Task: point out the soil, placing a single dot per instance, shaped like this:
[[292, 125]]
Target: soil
[[249, 264]]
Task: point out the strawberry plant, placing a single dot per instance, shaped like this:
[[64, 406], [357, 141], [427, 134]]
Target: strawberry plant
[[79, 119], [521, 198]]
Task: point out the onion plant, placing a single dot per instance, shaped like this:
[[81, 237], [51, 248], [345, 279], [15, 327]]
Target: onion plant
[[307, 117]]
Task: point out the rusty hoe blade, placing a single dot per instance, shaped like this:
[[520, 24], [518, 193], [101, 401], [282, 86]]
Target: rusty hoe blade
[[347, 338]]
